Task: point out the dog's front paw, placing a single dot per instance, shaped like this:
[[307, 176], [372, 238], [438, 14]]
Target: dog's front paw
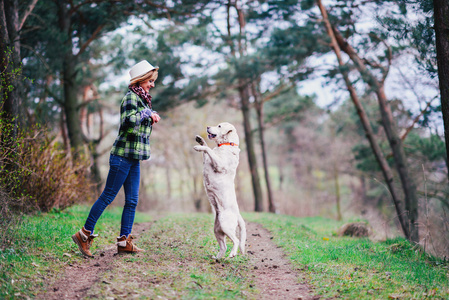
[[200, 140], [199, 148]]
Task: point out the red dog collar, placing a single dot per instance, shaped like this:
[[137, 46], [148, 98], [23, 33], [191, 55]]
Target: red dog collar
[[228, 144]]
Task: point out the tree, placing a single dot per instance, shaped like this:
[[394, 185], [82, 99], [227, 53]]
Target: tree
[[441, 19], [251, 68], [409, 225], [59, 44], [11, 24]]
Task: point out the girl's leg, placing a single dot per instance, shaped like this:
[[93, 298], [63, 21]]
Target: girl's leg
[[131, 186], [118, 173]]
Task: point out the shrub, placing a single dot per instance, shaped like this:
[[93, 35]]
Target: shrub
[[36, 170]]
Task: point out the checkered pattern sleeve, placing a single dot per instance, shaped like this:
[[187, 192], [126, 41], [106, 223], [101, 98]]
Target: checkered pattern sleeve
[[129, 114]]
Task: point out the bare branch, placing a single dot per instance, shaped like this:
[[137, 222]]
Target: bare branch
[[407, 131], [411, 86], [37, 54], [30, 29], [27, 13], [94, 35], [280, 119], [282, 88], [85, 103], [53, 95], [389, 57]]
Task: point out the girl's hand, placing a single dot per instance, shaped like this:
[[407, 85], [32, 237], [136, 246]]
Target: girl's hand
[[155, 116]]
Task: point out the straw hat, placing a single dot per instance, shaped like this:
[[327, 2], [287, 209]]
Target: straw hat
[[141, 69]]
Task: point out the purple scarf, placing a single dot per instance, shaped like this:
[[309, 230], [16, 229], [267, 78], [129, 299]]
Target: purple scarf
[[141, 93]]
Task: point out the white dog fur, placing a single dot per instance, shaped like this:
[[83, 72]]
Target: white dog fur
[[220, 165]]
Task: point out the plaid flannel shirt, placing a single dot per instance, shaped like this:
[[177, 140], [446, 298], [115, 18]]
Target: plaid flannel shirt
[[133, 140]]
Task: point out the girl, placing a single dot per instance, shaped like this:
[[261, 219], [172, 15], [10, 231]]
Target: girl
[[130, 147]]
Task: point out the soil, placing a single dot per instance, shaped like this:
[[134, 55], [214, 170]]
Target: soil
[[78, 278], [273, 274]]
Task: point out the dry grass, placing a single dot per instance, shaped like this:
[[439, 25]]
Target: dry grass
[[37, 171]]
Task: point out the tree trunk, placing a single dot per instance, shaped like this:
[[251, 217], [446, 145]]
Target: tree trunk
[[13, 97], [69, 83], [245, 107], [337, 192], [386, 171], [441, 19], [408, 186], [4, 58], [95, 170], [257, 190], [71, 105], [169, 183], [259, 109], [336, 179]]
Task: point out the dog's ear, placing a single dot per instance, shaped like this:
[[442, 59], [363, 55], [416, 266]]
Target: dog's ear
[[229, 131]]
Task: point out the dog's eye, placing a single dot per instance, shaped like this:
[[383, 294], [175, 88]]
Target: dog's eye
[[219, 126]]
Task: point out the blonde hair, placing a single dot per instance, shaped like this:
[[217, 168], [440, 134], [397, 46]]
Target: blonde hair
[[153, 74]]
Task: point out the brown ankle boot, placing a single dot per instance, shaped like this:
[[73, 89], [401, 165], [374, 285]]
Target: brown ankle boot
[[84, 239], [126, 245]]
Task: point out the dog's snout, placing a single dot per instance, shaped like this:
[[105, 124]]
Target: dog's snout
[[208, 127]]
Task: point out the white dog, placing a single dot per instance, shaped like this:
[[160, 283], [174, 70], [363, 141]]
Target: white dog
[[220, 165]]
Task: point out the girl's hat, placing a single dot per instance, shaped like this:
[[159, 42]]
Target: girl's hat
[[140, 69]]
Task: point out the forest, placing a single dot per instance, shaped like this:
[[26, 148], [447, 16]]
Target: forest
[[342, 106]]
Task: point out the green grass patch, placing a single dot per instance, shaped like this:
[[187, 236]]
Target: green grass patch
[[43, 248], [352, 268], [177, 264]]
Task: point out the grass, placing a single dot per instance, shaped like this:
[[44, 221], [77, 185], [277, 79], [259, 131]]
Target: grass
[[44, 247], [178, 263], [351, 268]]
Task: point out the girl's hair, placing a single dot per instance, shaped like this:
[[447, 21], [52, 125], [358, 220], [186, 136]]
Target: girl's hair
[[150, 75]]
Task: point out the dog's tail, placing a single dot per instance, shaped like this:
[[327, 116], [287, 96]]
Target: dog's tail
[[242, 227]]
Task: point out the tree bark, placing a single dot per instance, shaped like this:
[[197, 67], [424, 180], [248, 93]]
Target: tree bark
[[259, 109], [337, 192], [69, 83], [71, 105], [4, 57], [12, 101], [441, 19], [257, 190], [386, 171]]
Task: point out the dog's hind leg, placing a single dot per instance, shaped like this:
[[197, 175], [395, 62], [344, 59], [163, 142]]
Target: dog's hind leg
[[221, 239], [235, 240], [242, 234], [222, 242], [229, 226]]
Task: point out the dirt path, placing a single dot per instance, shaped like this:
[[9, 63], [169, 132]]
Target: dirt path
[[275, 277], [272, 272], [76, 281]]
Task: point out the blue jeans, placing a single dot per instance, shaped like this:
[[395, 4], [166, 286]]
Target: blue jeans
[[122, 172]]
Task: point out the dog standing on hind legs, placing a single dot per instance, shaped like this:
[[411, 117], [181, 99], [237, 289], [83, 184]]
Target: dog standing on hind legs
[[220, 165]]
